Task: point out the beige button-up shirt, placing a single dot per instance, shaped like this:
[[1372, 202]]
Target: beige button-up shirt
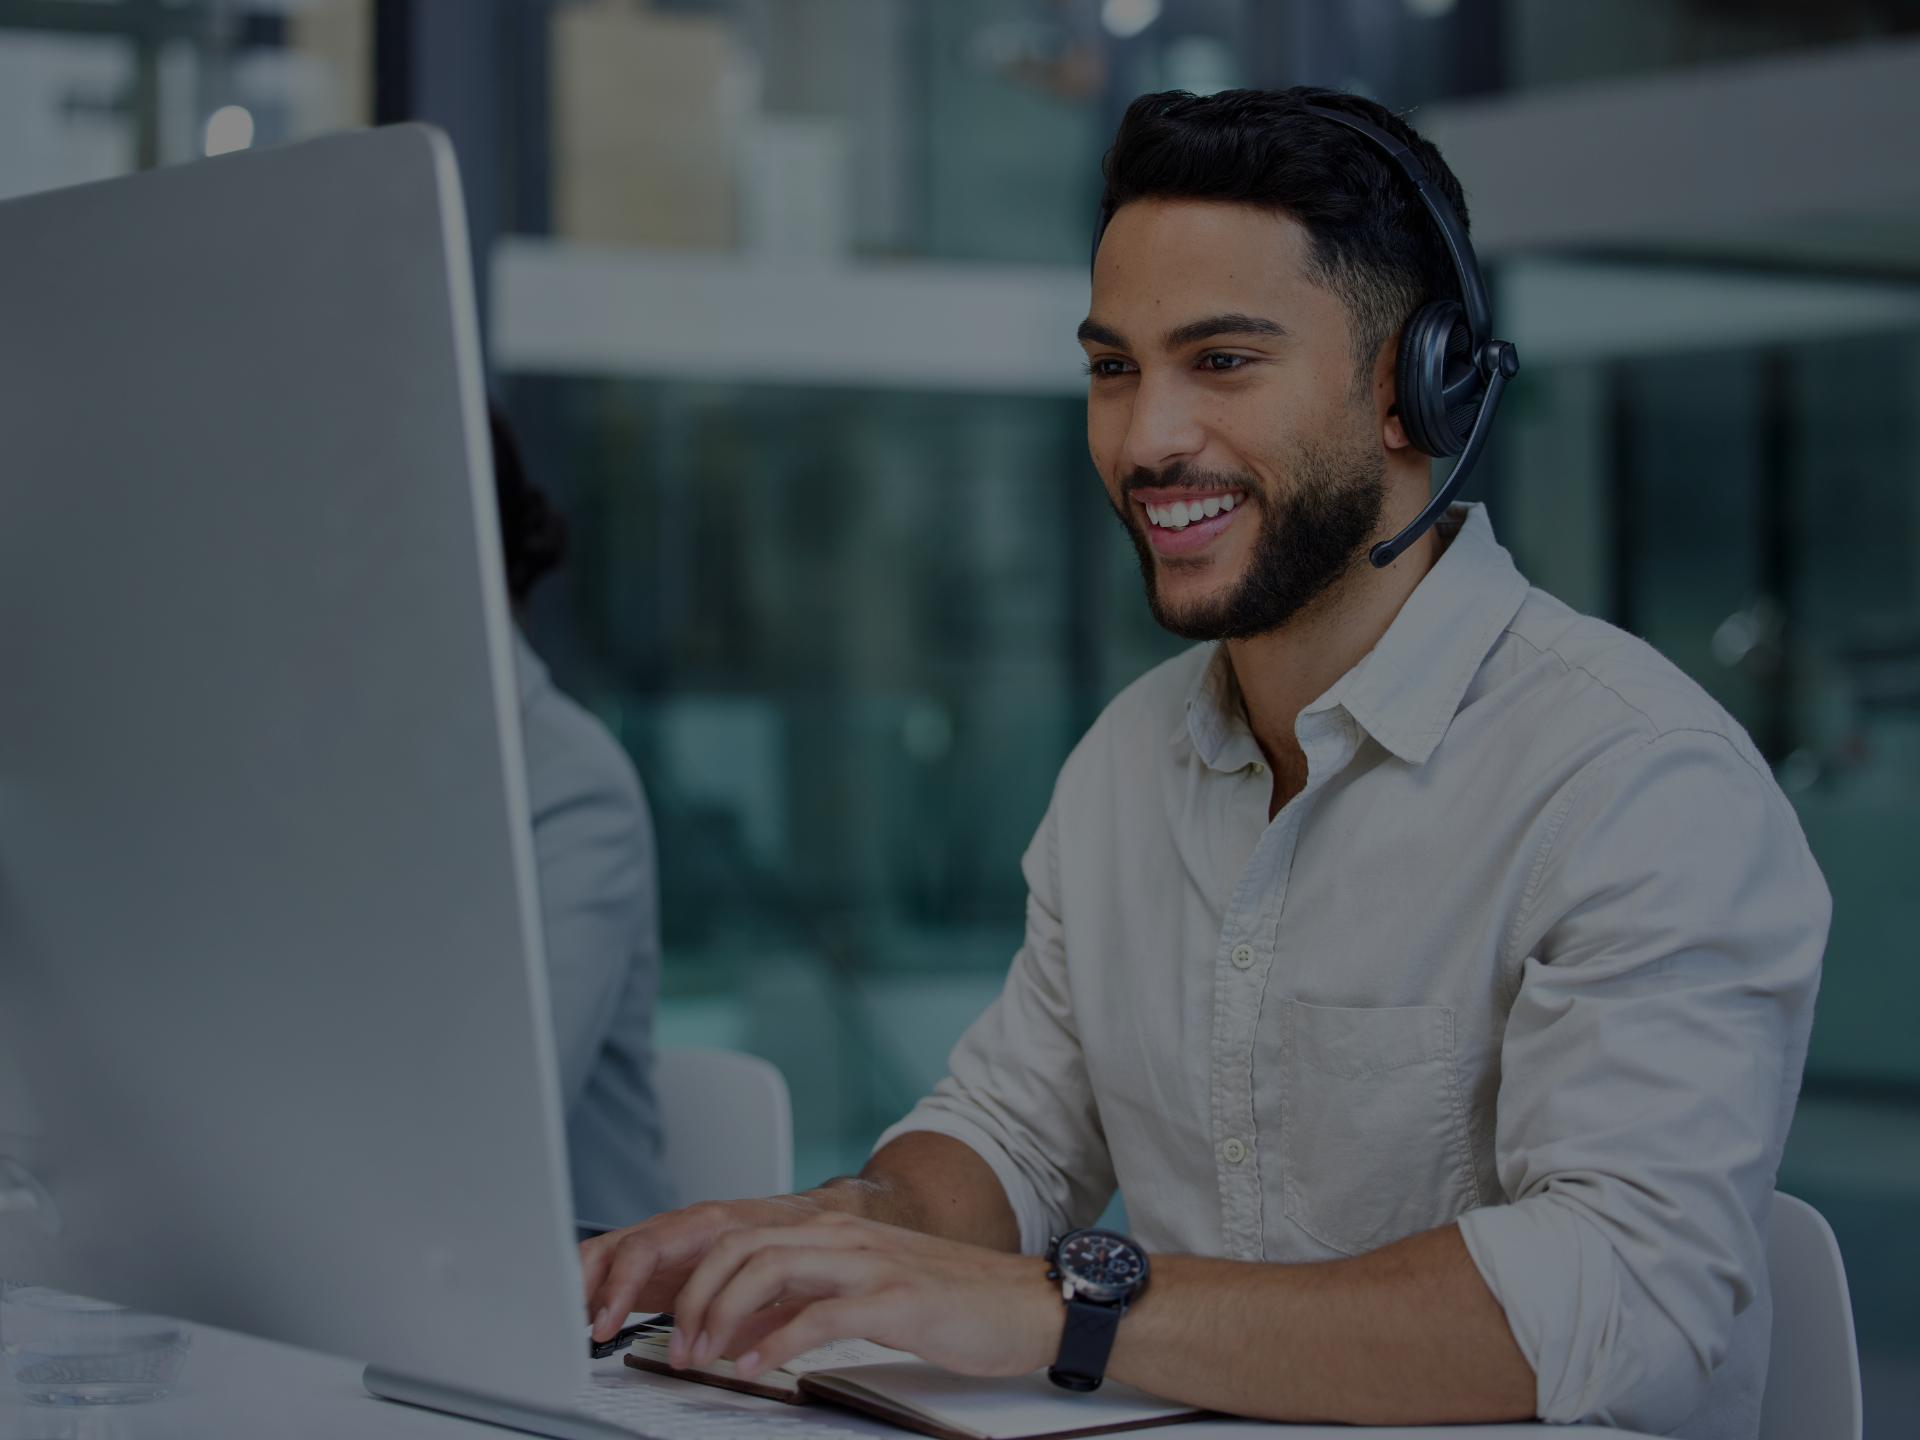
[[1535, 949]]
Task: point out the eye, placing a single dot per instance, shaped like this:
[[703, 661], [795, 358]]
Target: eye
[[1106, 367], [1217, 363]]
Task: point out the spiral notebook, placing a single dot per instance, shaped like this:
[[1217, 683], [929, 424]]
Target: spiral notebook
[[894, 1386]]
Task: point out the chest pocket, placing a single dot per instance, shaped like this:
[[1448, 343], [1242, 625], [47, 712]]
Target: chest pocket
[[1373, 1129]]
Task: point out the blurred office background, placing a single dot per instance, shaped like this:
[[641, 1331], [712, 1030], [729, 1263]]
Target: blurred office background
[[780, 294]]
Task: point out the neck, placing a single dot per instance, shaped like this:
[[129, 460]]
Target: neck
[[1283, 671]]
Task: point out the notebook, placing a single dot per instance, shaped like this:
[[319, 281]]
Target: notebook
[[894, 1386]]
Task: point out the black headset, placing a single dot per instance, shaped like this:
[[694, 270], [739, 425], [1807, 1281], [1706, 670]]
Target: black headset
[[1451, 371]]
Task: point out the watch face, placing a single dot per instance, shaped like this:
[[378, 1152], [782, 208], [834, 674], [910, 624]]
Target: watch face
[[1107, 1266]]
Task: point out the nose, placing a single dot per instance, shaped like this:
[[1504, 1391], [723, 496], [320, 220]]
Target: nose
[[1162, 427]]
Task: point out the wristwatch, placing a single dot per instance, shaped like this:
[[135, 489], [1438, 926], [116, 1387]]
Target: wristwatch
[[1100, 1273]]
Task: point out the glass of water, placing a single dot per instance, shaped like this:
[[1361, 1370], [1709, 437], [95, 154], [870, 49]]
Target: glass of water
[[66, 1350]]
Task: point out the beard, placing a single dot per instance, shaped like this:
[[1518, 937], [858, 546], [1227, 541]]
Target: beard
[[1308, 538]]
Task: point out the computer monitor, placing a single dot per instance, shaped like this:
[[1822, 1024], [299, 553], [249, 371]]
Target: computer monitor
[[274, 1047]]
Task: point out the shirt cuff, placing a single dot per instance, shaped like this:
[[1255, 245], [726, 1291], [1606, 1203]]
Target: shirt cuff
[[1037, 1223], [1558, 1280]]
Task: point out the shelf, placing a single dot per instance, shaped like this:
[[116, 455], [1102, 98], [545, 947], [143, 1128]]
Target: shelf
[[990, 329], [993, 329], [1567, 311]]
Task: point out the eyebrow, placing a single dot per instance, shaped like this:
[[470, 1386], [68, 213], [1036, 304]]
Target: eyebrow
[[1230, 324], [1207, 328]]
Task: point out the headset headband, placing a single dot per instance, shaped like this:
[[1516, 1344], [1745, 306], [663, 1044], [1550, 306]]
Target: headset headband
[[1473, 289]]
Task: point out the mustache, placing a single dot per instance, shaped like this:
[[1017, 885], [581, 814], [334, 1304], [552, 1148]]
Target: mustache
[[1182, 476]]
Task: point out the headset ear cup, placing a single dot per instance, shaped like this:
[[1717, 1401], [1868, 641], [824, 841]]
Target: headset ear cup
[[1436, 348]]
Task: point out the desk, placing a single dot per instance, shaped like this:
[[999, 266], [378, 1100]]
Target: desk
[[235, 1386]]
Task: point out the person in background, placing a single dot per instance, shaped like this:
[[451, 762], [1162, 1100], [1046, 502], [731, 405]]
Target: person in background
[[599, 900]]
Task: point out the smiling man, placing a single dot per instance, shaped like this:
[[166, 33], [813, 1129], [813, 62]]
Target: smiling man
[[1430, 967]]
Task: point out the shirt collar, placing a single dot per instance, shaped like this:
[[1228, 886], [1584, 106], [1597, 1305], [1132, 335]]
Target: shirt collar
[[1407, 689], [1215, 721]]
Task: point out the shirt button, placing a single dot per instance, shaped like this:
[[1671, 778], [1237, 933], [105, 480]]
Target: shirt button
[[1234, 1150], [1258, 768], [1242, 956]]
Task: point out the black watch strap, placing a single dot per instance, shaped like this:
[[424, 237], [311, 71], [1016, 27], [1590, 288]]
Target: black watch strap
[[1085, 1344]]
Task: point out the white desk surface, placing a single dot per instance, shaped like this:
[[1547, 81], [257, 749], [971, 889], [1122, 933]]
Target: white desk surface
[[237, 1386]]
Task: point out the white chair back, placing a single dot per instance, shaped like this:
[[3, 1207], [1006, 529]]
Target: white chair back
[[1813, 1367], [728, 1124]]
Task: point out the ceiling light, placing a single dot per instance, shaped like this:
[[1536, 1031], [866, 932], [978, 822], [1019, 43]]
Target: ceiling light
[[1125, 19]]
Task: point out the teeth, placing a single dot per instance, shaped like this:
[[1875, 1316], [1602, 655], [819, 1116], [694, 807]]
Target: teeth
[[1182, 513]]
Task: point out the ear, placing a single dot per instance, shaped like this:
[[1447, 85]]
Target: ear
[[1386, 394]]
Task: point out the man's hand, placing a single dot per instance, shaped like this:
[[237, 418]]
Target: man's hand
[[923, 1181], [835, 1277], [644, 1266]]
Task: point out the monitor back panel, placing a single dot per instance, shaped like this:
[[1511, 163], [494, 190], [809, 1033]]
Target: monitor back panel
[[273, 1030]]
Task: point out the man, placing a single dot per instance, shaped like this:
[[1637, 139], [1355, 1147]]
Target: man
[[593, 846], [1430, 966]]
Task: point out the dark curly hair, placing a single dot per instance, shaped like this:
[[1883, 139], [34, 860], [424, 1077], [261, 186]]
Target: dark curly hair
[[532, 533], [1372, 242]]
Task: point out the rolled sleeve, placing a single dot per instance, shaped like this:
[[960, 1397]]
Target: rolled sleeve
[[1673, 935], [1017, 1091]]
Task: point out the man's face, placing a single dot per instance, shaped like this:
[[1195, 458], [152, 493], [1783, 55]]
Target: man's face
[[1223, 415]]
